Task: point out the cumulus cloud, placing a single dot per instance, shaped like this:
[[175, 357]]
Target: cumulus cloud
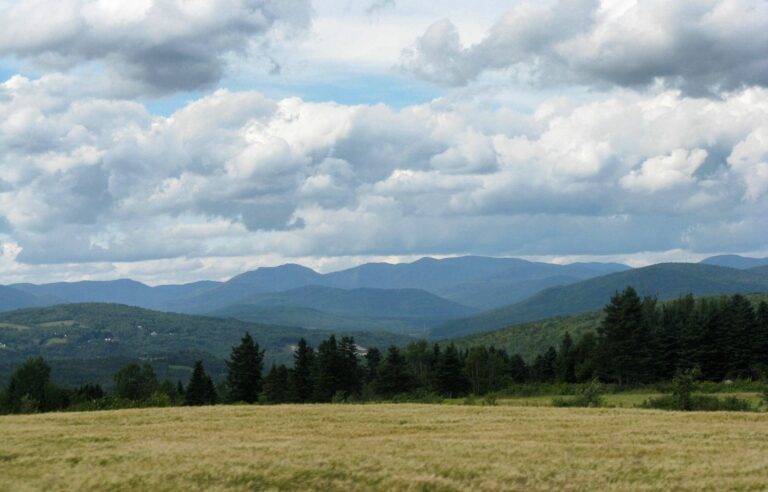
[[750, 161], [664, 172], [698, 46], [237, 176], [155, 46]]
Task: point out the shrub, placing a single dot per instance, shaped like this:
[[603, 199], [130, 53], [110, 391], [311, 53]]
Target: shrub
[[339, 397], [418, 397], [591, 396], [490, 400], [699, 403], [683, 386]]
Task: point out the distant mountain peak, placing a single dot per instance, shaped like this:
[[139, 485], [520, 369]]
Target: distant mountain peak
[[735, 261]]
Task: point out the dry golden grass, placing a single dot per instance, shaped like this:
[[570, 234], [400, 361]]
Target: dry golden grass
[[386, 447]]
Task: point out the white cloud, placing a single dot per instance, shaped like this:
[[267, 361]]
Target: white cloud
[[749, 160], [698, 46], [664, 172], [153, 46], [237, 178]]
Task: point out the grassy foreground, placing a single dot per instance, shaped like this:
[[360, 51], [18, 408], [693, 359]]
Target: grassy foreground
[[362, 447]]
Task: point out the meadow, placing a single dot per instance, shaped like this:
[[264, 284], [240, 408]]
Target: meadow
[[384, 447]]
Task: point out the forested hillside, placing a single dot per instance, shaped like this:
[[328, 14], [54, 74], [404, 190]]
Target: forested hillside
[[530, 339], [665, 281], [103, 333]]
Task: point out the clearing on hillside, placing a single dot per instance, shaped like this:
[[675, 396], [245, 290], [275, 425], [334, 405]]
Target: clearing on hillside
[[364, 447]]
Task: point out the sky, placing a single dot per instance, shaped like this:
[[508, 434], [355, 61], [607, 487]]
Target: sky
[[179, 140]]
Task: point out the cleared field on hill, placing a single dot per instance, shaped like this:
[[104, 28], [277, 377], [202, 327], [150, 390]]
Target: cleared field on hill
[[362, 447]]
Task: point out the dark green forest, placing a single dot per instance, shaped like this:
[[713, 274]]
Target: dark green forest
[[638, 342]]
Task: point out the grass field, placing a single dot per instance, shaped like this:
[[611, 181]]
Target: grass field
[[385, 447]]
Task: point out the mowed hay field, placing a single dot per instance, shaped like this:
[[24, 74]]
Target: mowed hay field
[[384, 447]]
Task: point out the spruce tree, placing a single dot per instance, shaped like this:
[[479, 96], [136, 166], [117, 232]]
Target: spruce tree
[[676, 318], [585, 362], [544, 368], [350, 374], [200, 390], [328, 368], [394, 378], [740, 329], [759, 354], [449, 374], [624, 339], [245, 365], [702, 344], [372, 364], [517, 369], [565, 364], [276, 387], [301, 376]]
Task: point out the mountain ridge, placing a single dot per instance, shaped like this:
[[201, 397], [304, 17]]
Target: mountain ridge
[[664, 280]]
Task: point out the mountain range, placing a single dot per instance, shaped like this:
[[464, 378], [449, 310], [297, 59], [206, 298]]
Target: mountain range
[[443, 297]]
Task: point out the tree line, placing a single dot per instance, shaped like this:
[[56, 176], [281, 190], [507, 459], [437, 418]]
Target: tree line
[[639, 341]]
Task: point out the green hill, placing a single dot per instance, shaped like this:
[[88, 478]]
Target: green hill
[[665, 280], [530, 339], [314, 319], [366, 302], [103, 333]]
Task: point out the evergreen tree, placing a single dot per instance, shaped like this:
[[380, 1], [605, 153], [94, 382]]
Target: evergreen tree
[[200, 390], [496, 369], [676, 318], [276, 387], [584, 356], [517, 369], [244, 376], [705, 344], [449, 375], [565, 365], [544, 366], [624, 339], [349, 374], [394, 378], [301, 376], [328, 370], [372, 364], [759, 354], [738, 336]]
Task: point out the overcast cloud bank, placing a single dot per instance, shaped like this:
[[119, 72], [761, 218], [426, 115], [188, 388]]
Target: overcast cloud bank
[[668, 153]]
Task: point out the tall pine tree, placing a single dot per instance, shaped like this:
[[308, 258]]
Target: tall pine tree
[[760, 340], [245, 365], [394, 377], [276, 388], [200, 390], [301, 376], [328, 368], [449, 374], [624, 339]]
